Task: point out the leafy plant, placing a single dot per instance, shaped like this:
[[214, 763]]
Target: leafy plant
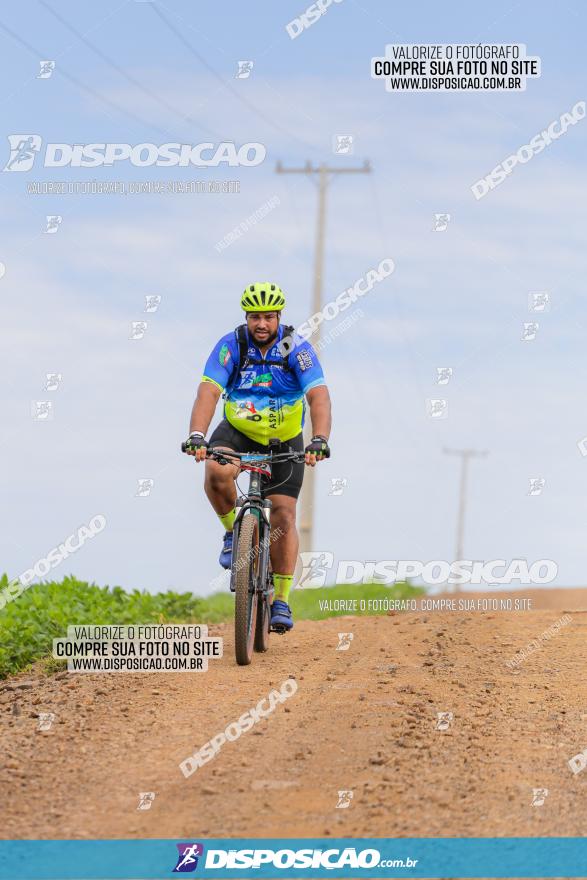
[[29, 623]]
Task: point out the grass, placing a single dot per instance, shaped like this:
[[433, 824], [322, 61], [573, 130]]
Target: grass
[[43, 612], [306, 603]]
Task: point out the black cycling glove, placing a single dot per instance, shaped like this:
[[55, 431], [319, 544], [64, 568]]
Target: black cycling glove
[[318, 447], [196, 440]]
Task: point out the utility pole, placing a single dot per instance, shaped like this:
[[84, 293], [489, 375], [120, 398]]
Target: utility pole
[[323, 171], [465, 455]]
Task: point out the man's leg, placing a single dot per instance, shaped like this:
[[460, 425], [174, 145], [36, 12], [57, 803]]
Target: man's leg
[[220, 488], [219, 485], [284, 544]]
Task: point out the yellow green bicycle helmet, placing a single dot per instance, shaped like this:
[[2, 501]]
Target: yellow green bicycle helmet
[[262, 296]]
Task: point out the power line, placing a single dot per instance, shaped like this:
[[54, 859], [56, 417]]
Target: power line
[[124, 73], [227, 85], [80, 85]]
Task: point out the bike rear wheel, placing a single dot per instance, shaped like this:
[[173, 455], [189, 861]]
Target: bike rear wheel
[[246, 564]]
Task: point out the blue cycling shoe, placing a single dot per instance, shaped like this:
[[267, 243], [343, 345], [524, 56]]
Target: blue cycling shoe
[[281, 615], [225, 558]]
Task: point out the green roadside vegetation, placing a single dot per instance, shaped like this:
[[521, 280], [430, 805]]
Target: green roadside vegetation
[[29, 623]]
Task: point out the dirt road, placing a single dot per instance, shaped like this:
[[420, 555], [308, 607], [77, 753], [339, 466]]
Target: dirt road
[[362, 720]]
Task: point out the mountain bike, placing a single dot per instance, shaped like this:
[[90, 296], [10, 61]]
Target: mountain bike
[[251, 578]]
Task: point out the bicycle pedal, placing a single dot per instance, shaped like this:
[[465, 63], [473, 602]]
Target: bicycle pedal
[[279, 628]]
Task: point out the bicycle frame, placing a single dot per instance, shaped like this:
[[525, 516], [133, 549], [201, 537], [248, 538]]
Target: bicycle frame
[[254, 502], [252, 584]]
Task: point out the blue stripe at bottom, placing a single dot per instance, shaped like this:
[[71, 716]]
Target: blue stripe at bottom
[[282, 857]]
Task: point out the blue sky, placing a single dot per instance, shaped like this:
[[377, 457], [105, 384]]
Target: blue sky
[[457, 298]]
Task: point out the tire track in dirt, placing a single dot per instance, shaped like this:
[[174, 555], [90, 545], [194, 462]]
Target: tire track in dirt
[[363, 720]]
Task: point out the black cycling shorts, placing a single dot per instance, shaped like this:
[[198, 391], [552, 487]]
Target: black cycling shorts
[[286, 476]]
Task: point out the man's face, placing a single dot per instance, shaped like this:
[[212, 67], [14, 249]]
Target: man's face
[[263, 326]]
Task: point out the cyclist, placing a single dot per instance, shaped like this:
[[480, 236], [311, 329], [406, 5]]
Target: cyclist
[[264, 385]]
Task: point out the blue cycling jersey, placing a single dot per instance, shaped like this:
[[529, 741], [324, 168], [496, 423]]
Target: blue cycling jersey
[[264, 400]]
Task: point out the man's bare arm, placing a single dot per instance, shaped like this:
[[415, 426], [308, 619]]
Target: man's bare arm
[[320, 410], [204, 407]]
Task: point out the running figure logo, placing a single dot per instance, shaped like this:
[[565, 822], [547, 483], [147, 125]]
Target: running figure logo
[[53, 381], [345, 797], [47, 68], [444, 720], [144, 488], [46, 719], [539, 302], [437, 408], [146, 799], [441, 222], [188, 857], [529, 331], [342, 144], [537, 484], [152, 303], [53, 223], [245, 69], [23, 149], [443, 375], [315, 566], [138, 329], [42, 410]]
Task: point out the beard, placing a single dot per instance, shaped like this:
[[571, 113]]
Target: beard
[[269, 340]]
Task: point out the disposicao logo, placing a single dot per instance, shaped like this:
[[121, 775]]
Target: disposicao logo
[[25, 147], [187, 859], [23, 150]]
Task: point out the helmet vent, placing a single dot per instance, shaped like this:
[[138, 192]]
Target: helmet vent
[[263, 296]]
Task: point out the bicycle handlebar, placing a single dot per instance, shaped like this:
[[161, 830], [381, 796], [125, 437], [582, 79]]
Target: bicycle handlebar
[[271, 457]]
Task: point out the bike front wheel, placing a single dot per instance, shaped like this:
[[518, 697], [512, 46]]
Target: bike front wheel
[[246, 564], [263, 625]]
